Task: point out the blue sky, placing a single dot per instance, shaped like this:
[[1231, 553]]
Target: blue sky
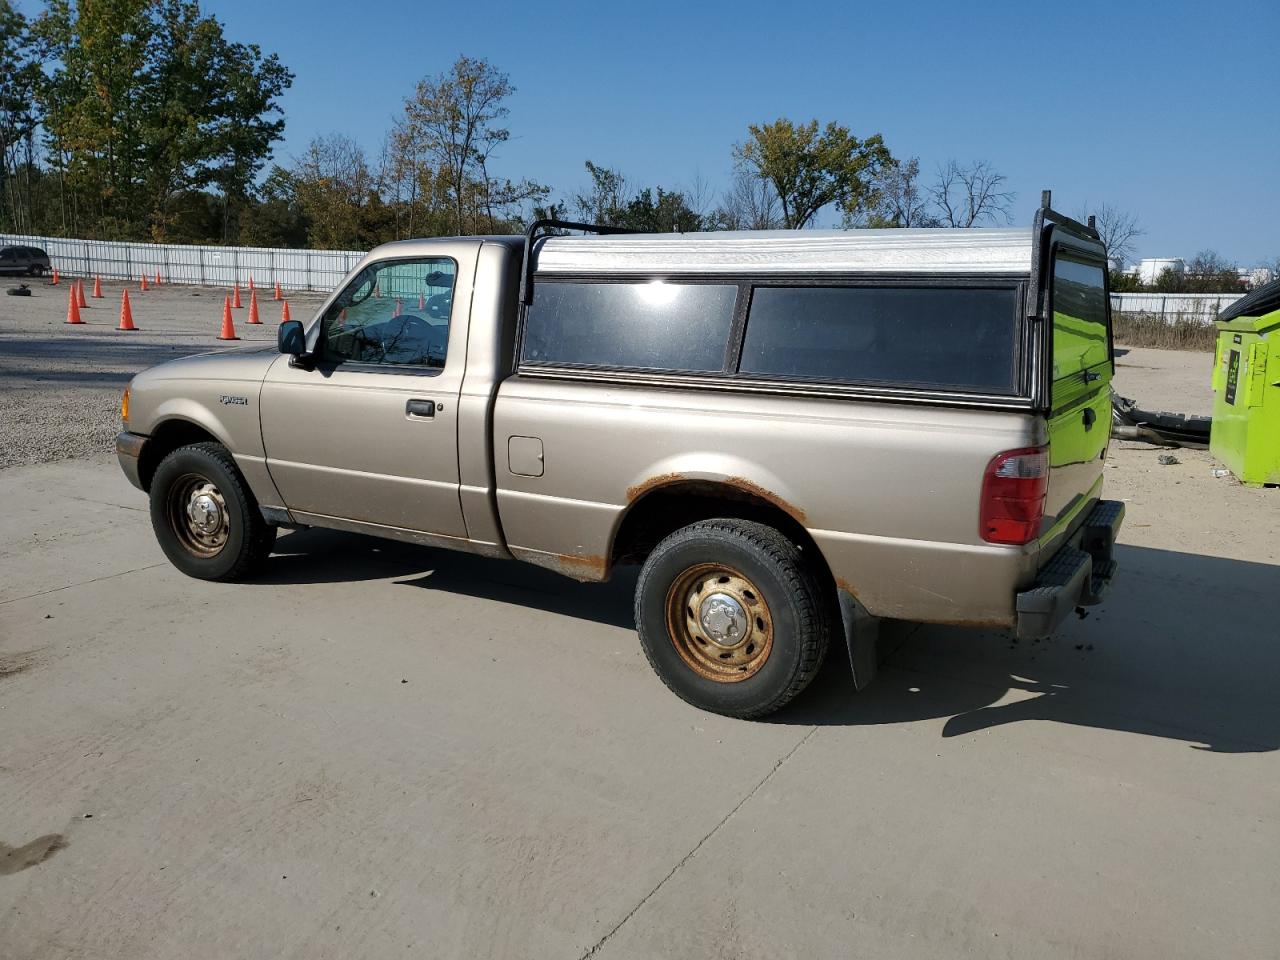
[[1170, 111]]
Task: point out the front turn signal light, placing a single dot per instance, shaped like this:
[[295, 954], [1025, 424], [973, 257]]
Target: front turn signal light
[[124, 407]]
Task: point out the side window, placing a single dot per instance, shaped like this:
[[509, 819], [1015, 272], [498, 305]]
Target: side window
[[962, 338], [651, 325], [1079, 317], [394, 313]]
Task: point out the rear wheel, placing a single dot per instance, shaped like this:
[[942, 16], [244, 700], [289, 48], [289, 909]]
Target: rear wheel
[[205, 517], [36, 270], [731, 617]]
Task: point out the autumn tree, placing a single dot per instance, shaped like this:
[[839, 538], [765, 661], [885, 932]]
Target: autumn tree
[[810, 170], [454, 123]]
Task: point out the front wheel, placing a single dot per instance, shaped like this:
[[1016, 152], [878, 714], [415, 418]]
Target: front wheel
[[731, 617], [205, 517]]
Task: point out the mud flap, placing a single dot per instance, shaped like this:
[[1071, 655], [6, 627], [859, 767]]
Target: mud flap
[[862, 637]]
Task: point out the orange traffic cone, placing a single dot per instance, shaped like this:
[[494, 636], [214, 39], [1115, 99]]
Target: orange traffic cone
[[80, 294], [399, 307], [126, 312], [279, 295], [253, 306], [97, 287], [144, 283], [422, 302], [251, 283], [235, 299], [157, 278], [228, 328], [342, 319], [73, 307], [54, 281], [377, 290], [284, 313]]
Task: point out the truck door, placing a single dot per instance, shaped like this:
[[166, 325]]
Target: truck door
[[370, 433], [1080, 419]]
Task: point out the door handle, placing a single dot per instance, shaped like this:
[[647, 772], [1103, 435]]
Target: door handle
[[420, 408], [1089, 418]]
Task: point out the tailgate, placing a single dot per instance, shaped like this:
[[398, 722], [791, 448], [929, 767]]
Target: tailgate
[[1080, 416]]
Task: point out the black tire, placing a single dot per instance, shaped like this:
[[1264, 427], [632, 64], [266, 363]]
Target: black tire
[[36, 270], [796, 610], [232, 552]]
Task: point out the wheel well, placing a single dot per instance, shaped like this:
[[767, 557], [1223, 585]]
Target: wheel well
[[166, 438], [661, 512]]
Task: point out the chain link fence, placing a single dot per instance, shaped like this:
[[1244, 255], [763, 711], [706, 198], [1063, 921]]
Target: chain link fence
[[180, 263]]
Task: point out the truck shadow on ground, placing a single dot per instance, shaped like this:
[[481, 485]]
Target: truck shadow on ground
[[1186, 647]]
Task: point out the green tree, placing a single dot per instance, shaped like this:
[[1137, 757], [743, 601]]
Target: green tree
[[146, 100], [810, 170], [19, 79]]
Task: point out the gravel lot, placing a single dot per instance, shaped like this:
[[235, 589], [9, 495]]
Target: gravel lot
[[60, 385]]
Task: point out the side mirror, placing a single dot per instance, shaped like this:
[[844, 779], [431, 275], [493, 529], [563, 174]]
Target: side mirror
[[291, 339]]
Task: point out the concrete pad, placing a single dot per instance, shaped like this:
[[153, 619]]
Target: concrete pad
[[384, 750]]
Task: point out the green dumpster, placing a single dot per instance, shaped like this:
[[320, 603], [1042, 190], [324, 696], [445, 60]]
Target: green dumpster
[[1245, 435]]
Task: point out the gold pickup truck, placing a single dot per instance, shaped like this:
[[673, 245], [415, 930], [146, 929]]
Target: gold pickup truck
[[793, 433]]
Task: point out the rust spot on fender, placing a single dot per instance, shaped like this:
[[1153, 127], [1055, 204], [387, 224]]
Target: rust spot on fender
[[653, 483], [740, 484], [747, 486]]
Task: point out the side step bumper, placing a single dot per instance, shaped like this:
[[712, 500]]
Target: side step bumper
[[1080, 574]]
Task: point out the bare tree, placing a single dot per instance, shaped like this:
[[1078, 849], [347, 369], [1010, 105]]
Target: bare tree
[[1117, 228], [750, 203], [897, 199], [968, 195]]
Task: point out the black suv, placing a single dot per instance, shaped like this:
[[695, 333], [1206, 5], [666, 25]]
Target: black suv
[[24, 260]]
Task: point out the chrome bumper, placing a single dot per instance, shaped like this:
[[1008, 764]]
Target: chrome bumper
[[129, 447], [1079, 574]]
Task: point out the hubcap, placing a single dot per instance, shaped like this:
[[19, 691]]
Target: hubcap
[[723, 619], [197, 514], [719, 623]]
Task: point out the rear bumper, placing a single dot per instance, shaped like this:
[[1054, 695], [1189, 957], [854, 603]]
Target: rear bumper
[[129, 447], [1079, 574]]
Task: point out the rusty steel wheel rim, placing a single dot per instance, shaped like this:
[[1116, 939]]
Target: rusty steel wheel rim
[[719, 623], [197, 514]]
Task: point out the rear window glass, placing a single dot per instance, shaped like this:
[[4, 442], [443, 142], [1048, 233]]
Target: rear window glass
[[1079, 317], [959, 338], [651, 325]]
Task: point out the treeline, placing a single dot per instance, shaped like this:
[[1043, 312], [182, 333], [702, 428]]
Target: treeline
[[141, 120], [132, 119]]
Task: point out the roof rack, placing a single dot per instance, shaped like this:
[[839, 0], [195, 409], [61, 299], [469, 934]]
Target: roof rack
[[542, 227], [1046, 214]]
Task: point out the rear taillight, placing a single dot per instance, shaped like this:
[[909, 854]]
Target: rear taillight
[[1013, 491]]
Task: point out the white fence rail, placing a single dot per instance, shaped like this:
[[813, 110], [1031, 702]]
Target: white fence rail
[[1201, 306], [322, 269], [180, 263]]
